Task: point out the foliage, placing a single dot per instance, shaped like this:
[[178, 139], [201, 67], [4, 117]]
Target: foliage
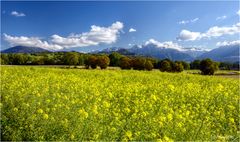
[[195, 64], [125, 63], [71, 58], [148, 65], [115, 59], [138, 63], [177, 67], [93, 61], [165, 65], [208, 67], [186, 65], [103, 61], [50, 104]]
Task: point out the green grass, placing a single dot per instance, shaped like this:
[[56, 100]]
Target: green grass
[[40, 103]]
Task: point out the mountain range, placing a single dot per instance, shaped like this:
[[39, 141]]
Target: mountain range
[[228, 54], [24, 49]]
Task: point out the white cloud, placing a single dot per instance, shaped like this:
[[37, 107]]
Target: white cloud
[[17, 14], [228, 43], [95, 36], [188, 21], [212, 32], [188, 35], [221, 17], [238, 12], [30, 42], [132, 30], [166, 44]]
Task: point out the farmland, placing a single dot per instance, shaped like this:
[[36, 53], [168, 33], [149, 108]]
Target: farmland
[[41, 103]]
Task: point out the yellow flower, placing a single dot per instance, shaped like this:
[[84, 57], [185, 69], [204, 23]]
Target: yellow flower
[[106, 104], [72, 136], [169, 116], [129, 134], [45, 116], [83, 113], [231, 120], [113, 129], [40, 111], [48, 100], [167, 139], [127, 110], [171, 87], [15, 109]]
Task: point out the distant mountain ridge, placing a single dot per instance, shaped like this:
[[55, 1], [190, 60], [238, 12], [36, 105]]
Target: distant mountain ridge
[[226, 54], [229, 54], [161, 53], [24, 49]]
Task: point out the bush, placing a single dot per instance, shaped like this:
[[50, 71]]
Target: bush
[[125, 63], [114, 59], [165, 65], [93, 61], [186, 65], [195, 64], [71, 58], [103, 61], [148, 65], [208, 67], [177, 67], [138, 63]]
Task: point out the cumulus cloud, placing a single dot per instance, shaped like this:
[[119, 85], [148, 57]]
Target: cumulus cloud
[[17, 14], [188, 35], [238, 12], [132, 30], [188, 21], [166, 44], [95, 36], [30, 42], [212, 32], [221, 17], [228, 43]]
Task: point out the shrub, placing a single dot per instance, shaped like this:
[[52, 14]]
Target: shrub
[[208, 67], [103, 61], [125, 63], [93, 61], [138, 63], [195, 64], [165, 65], [148, 65], [177, 67], [115, 59], [71, 58]]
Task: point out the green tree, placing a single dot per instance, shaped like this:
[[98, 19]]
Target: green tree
[[165, 65], [4, 59], [125, 63], [114, 59], [71, 58], [177, 67], [103, 61], [186, 65], [208, 67], [138, 63], [195, 64], [93, 61], [148, 65]]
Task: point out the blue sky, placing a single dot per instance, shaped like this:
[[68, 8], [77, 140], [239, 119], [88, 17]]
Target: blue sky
[[67, 25]]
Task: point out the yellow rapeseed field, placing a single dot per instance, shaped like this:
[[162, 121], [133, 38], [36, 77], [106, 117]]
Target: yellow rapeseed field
[[76, 104]]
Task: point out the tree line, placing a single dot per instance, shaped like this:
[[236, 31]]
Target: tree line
[[207, 66]]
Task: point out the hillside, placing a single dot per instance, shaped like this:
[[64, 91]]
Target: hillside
[[24, 49]]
